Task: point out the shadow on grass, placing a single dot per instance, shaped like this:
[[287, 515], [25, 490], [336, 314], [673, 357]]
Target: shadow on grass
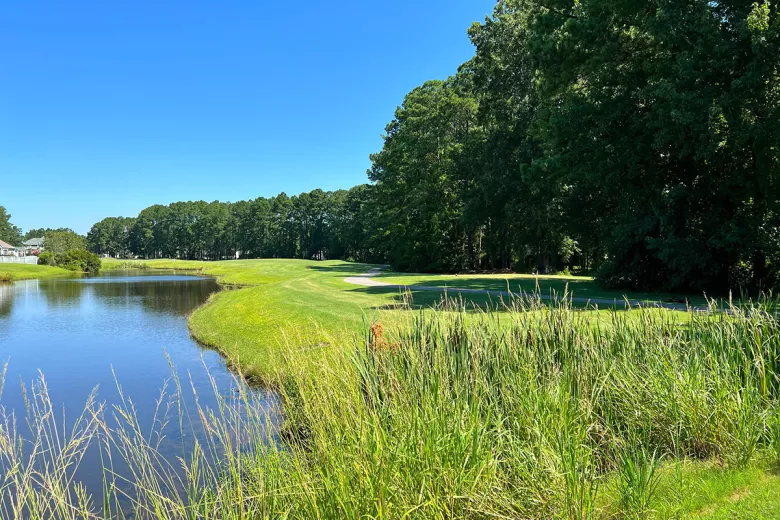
[[471, 302], [577, 288], [346, 268]]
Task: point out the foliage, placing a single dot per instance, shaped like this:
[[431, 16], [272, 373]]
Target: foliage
[[421, 174], [42, 232], [8, 232], [111, 236], [316, 225], [72, 260], [47, 258], [78, 260], [634, 140], [62, 241], [663, 120]]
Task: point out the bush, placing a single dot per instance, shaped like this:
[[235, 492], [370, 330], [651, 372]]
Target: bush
[[79, 260], [74, 260], [46, 258]]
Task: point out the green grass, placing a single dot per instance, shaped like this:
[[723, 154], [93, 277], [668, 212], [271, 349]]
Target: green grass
[[537, 414], [696, 489], [14, 272], [757, 498], [530, 413], [534, 411], [577, 286]]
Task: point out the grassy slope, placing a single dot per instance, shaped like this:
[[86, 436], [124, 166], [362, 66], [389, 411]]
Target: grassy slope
[[304, 303], [13, 272]]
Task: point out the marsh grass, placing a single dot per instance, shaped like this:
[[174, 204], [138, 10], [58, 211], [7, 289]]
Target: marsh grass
[[534, 412]]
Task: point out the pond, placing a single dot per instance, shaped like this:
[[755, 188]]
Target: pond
[[124, 333]]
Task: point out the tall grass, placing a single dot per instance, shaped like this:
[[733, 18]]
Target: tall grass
[[536, 412]]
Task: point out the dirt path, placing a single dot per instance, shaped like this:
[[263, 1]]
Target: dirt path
[[368, 279]]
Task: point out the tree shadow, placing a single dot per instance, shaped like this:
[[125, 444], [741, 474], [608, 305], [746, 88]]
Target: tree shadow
[[553, 287], [579, 288], [411, 298], [346, 268], [422, 299]]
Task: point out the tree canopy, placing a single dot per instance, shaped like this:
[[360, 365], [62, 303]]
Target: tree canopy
[[62, 241], [8, 232], [314, 225]]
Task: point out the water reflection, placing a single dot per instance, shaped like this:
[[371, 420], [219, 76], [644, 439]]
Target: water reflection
[[6, 298], [59, 292], [168, 293], [127, 328]]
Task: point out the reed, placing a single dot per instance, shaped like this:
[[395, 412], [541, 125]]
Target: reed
[[534, 412]]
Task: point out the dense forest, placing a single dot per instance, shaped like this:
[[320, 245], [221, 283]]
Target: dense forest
[[634, 140]]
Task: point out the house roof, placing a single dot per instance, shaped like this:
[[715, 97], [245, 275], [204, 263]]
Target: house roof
[[6, 245], [33, 242]]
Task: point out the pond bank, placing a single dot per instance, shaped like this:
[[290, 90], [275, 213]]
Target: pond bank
[[15, 272]]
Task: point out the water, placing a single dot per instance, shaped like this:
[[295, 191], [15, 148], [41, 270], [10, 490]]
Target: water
[[125, 327]]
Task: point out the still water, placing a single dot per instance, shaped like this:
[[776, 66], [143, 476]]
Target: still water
[[125, 328]]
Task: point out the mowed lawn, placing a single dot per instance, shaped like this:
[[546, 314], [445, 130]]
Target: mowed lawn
[[708, 490], [14, 272]]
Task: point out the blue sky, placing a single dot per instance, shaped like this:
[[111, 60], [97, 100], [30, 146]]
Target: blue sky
[[109, 107]]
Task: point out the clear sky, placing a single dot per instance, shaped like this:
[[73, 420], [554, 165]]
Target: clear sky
[[109, 107]]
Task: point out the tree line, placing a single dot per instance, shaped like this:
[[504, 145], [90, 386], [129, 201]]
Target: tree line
[[634, 140], [314, 225]]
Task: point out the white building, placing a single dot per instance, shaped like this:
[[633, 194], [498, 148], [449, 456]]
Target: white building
[[7, 249]]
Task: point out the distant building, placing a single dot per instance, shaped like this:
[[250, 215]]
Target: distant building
[[7, 249], [34, 244]]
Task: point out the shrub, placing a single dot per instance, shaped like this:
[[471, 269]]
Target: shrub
[[46, 258], [78, 260], [74, 260]]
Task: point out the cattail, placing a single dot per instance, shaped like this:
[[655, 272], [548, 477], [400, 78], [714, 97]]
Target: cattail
[[378, 341]]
